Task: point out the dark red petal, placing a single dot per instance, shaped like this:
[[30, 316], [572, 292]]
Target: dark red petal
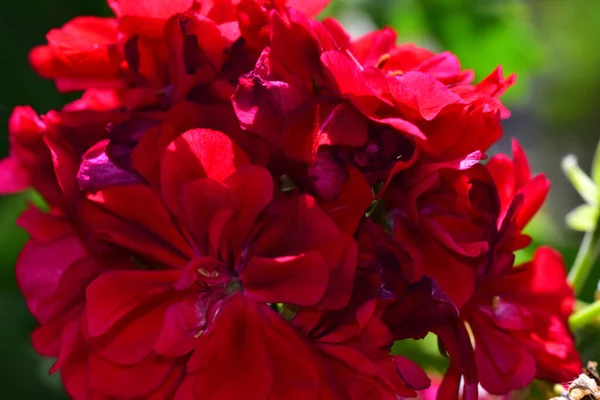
[[296, 225], [132, 340], [201, 200], [131, 381], [350, 206], [279, 364], [414, 376], [341, 279], [505, 363], [300, 280], [119, 216], [254, 188]]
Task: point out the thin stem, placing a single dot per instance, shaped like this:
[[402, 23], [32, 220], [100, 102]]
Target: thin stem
[[586, 257], [583, 263], [585, 316]]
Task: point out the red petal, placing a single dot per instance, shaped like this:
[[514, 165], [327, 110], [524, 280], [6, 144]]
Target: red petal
[[534, 194], [143, 226], [321, 123], [422, 92], [277, 365], [414, 376], [521, 165], [201, 200], [84, 48], [133, 341], [149, 8], [303, 61], [115, 294], [353, 201], [346, 74], [53, 275], [176, 339], [309, 7], [129, 382], [295, 226], [369, 48], [300, 280], [341, 279], [147, 17], [198, 153], [507, 364], [254, 188]]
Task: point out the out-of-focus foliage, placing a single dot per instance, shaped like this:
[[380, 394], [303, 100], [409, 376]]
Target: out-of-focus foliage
[[551, 44]]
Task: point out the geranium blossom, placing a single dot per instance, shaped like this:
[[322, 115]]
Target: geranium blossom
[[246, 202]]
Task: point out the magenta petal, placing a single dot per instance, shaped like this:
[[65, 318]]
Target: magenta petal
[[97, 171], [13, 177]]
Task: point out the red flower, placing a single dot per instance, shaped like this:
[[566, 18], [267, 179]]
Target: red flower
[[247, 203], [329, 92], [240, 249], [290, 91], [411, 303], [445, 215], [521, 195], [515, 312], [30, 163], [159, 51], [519, 324], [53, 271], [356, 347], [35, 140], [82, 54]]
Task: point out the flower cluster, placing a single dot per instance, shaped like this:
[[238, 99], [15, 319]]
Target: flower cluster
[[248, 203]]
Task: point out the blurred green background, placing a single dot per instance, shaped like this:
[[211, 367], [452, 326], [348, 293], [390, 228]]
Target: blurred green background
[[551, 44]]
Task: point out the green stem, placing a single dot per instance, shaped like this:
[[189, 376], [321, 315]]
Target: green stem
[[583, 263], [585, 316]]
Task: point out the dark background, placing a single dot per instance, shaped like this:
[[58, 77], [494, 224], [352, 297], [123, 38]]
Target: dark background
[[553, 46]]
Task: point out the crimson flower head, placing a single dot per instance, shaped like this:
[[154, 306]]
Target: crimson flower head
[[246, 202]]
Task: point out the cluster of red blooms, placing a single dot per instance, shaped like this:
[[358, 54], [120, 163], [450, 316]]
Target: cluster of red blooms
[[249, 203]]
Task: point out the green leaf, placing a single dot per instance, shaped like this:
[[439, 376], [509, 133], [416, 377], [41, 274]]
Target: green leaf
[[36, 199], [424, 352], [583, 218], [581, 182], [596, 166]]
